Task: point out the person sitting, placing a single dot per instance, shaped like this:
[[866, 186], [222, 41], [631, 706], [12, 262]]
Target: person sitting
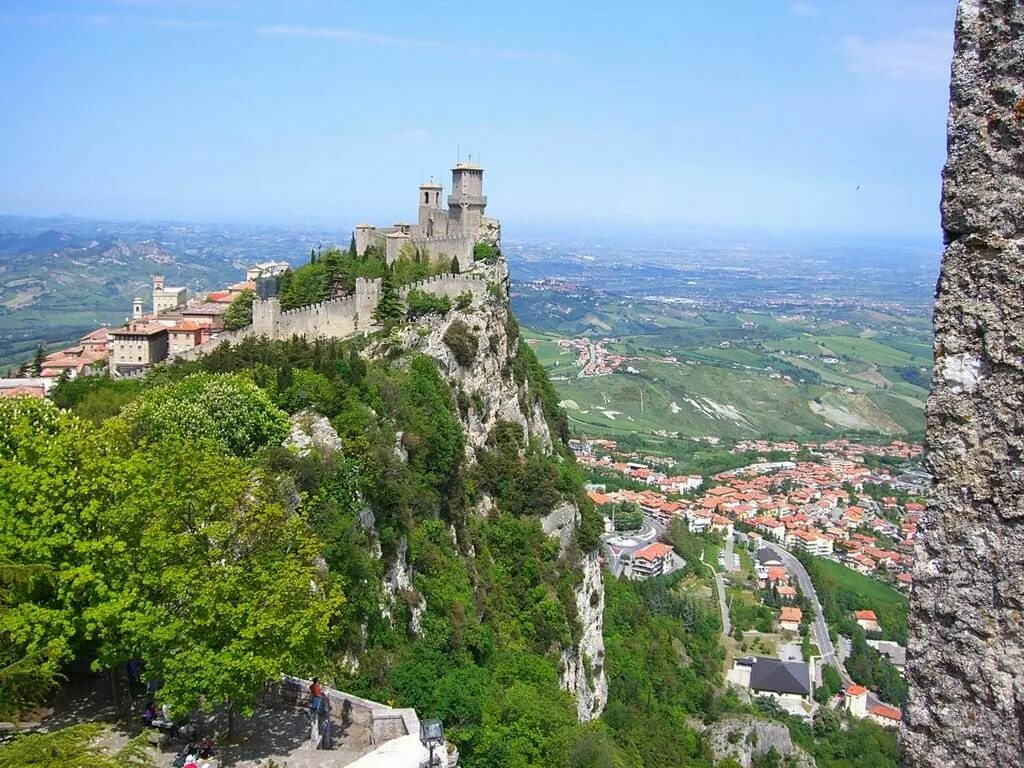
[[150, 714], [206, 749]]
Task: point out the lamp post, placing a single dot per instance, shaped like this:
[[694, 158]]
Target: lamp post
[[431, 736]]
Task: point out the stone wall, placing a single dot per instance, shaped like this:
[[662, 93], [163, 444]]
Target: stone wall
[[341, 318], [381, 721], [966, 645]]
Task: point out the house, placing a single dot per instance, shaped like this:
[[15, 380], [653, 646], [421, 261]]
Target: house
[[886, 716], [857, 700], [184, 336], [894, 652], [790, 618], [209, 314], [786, 593], [719, 523], [137, 346], [266, 269], [867, 620], [788, 682], [812, 543], [30, 387], [653, 560]]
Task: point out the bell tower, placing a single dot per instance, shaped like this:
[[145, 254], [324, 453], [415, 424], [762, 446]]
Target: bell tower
[[430, 208]]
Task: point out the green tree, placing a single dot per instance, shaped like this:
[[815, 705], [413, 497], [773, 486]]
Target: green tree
[[37, 360], [454, 268], [628, 516], [389, 306], [239, 311], [72, 747], [352, 246], [230, 409]]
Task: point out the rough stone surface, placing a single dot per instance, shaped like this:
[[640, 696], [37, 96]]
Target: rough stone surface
[[311, 430], [966, 646], [583, 665], [744, 738]]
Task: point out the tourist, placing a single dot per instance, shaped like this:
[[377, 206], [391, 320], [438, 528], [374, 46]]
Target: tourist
[[150, 714], [317, 691], [206, 749]]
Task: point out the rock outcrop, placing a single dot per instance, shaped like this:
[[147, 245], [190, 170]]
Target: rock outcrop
[[966, 647], [489, 395], [744, 738]]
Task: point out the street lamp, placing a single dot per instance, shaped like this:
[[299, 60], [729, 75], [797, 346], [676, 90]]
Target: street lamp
[[431, 735]]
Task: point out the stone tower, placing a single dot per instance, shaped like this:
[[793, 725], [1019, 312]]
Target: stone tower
[[432, 220], [965, 653], [466, 203]]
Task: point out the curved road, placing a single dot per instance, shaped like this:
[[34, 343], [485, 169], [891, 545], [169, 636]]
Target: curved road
[[821, 636]]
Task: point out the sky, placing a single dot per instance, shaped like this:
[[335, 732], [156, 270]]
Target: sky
[[783, 115]]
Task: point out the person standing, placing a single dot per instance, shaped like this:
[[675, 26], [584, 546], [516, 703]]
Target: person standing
[[317, 692]]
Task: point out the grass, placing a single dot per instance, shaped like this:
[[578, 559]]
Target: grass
[[870, 593]]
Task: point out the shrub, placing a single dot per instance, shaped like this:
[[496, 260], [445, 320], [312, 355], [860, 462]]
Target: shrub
[[483, 251], [229, 409], [462, 342], [419, 303], [463, 300]]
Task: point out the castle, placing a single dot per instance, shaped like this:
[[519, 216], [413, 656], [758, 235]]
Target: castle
[[441, 233]]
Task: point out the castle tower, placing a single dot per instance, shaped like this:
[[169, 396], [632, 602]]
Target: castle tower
[[158, 283], [466, 203], [136, 308], [430, 210]]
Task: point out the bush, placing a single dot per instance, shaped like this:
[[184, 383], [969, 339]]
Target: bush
[[483, 251], [419, 303], [462, 342], [229, 409], [463, 300]]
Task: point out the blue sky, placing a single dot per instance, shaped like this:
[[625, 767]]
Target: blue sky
[[753, 113]]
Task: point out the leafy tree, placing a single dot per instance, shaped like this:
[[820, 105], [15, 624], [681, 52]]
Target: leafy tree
[[628, 516], [352, 246], [230, 409], [419, 303], [72, 747], [239, 311], [389, 306], [248, 598]]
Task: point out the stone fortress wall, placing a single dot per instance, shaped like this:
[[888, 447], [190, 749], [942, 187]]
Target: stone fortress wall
[[335, 318]]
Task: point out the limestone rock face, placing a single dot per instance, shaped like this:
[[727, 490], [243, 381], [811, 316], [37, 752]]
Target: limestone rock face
[[311, 431], [583, 665], [490, 394], [966, 646], [744, 738]]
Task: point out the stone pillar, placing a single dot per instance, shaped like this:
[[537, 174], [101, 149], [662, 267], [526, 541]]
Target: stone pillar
[[966, 647]]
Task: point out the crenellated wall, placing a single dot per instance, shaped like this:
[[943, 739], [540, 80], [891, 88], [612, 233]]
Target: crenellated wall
[[341, 318]]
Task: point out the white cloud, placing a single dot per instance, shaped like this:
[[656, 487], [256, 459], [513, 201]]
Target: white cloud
[[921, 55], [803, 8]]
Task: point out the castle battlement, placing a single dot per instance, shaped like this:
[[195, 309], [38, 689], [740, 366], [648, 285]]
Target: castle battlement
[[351, 315]]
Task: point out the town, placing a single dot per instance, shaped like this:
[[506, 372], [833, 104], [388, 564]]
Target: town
[[175, 325], [770, 523]]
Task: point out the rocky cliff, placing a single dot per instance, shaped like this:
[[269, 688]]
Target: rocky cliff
[[966, 648], [490, 394]]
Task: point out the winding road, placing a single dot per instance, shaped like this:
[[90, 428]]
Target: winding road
[[821, 636]]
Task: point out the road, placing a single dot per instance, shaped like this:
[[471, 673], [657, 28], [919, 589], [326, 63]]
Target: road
[[821, 636], [722, 605], [623, 543]]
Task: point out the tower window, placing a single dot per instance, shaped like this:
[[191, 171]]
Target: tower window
[[426, 197]]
